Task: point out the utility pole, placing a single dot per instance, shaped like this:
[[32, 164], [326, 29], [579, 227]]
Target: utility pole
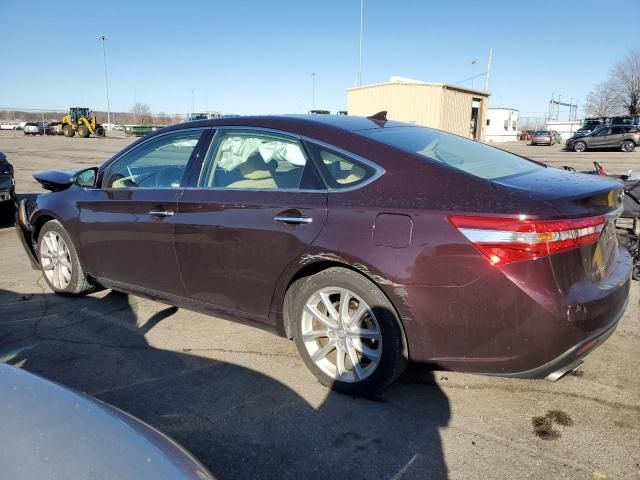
[[313, 90], [473, 72], [486, 78], [106, 80], [360, 50]]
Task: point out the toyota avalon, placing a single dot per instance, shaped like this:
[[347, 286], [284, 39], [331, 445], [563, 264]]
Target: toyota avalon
[[369, 242]]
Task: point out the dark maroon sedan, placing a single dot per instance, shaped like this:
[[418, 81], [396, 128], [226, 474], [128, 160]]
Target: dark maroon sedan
[[369, 242]]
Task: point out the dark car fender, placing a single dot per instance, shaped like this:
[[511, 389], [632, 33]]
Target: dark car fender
[[33, 215]]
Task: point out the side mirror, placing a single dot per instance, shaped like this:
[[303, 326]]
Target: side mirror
[[86, 178]]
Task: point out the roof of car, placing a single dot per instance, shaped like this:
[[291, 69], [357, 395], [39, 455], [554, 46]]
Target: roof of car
[[343, 122]]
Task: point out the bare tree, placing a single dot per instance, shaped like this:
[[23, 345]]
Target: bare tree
[[603, 100], [142, 113], [626, 77]]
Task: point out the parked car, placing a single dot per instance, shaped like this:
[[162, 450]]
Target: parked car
[[54, 432], [36, 128], [369, 242], [556, 136], [32, 128], [527, 134], [543, 137], [626, 138], [7, 191], [8, 126], [54, 129]]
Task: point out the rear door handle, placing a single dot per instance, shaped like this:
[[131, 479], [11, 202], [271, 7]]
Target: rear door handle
[[162, 213]]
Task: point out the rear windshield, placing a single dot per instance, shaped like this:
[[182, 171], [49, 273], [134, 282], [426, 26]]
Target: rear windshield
[[542, 132], [472, 157]]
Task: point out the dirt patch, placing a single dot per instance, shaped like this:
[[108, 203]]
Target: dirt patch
[[544, 427]]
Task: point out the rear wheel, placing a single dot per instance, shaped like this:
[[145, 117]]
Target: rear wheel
[[347, 332], [59, 261], [579, 147], [628, 146], [68, 131], [83, 131]]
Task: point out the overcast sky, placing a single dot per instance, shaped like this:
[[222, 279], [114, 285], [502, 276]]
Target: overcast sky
[[257, 56]]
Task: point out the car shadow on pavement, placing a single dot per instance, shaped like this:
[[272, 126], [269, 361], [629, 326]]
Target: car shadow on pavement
[[238, 422]]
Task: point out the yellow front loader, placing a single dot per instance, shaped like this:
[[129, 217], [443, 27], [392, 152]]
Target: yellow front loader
[[83, 121]]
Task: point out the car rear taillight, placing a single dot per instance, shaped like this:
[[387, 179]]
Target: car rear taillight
[[506, 240]]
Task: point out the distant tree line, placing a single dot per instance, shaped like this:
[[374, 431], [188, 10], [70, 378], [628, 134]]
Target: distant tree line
[[620, 94], [140, 114]]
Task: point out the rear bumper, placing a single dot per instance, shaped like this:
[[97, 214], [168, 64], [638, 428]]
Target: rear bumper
[[574, 355], [515, 321]]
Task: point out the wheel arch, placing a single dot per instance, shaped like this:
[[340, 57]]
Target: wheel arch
[[283, 321]]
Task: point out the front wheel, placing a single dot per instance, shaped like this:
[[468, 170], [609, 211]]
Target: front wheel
[[347, 332], [628, 146], [579, 147], [59, 261], [100, 131]]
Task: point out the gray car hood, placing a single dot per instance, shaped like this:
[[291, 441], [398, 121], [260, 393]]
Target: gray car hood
[[49, 431]]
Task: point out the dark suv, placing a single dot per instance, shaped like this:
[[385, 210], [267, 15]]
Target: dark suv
[[7, 191], [624, 137]]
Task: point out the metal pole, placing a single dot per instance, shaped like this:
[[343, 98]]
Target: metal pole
[[360, 50], [313, 90], [106, 80], [486, 78], [473, 72]]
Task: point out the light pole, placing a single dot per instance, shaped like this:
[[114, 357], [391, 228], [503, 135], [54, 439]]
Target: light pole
[[106, 80], [473, 72], [313, 90], [360, 49]]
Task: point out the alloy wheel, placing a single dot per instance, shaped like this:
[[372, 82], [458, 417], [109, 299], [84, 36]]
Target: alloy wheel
[[341, 334], [56, 260]]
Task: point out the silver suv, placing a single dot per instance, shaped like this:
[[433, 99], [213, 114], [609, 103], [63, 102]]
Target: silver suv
[[624, 137]]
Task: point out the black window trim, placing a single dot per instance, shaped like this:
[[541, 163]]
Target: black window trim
[[223, 128], [302, 139]]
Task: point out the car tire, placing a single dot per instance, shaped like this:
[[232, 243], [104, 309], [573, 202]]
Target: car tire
[[83, 131], [370, 362], [628, 146], [579, 147], [68, 131], [59, 262]]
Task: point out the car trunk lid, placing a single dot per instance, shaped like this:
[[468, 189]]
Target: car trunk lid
[[576, 196]]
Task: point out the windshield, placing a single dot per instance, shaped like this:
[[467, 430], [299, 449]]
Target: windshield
[[472, 157], [542, 132]]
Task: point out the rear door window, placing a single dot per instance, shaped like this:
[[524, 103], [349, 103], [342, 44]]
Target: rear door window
[[457, 152], [254, 159]]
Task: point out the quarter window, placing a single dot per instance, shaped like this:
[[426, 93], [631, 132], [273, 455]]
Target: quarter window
[[157, 163], [339, 170], [257, 160]]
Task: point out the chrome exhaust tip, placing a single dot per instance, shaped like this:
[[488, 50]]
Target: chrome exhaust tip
[[558, 374]]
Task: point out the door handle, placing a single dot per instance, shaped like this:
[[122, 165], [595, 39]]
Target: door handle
[[293, 220], [161, 213]]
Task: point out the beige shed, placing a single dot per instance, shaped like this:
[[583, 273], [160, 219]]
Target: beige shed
[[446, 107]]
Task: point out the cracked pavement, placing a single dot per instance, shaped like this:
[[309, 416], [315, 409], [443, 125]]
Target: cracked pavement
[[244, 404]]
